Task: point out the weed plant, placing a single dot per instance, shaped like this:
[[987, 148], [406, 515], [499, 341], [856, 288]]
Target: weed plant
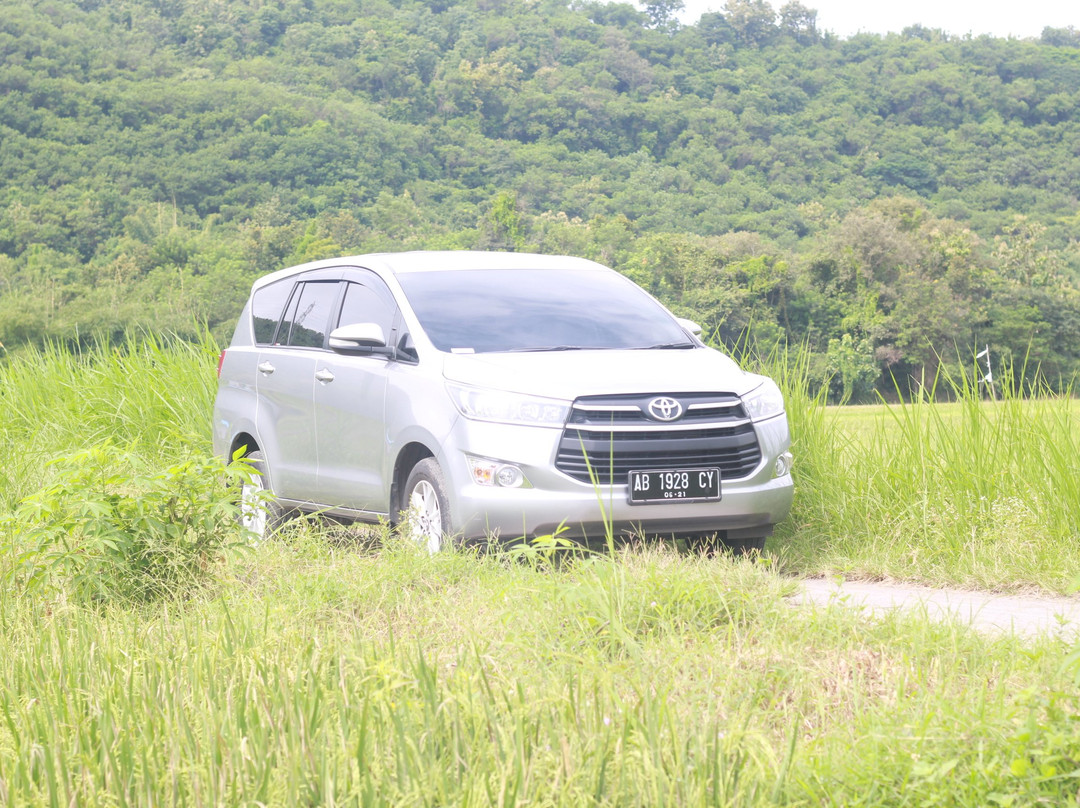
[[99, 535]]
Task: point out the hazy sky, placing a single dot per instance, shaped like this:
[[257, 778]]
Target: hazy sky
[[1021, 18]]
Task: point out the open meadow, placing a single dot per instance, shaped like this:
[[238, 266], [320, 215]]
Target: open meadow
[[969, 492], [145, 664]]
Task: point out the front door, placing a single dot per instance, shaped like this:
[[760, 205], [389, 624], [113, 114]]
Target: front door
[[350, 406]]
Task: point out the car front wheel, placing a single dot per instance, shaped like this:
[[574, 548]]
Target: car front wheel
[[427, 519]]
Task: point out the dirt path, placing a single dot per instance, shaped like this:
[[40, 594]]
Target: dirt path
[[984, 611]]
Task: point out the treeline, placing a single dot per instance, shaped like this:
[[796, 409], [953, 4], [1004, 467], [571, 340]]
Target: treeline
[[891, 202]]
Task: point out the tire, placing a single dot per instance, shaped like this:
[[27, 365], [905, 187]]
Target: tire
[[427, 510], [742, 547], [260, 513], [711, 543]]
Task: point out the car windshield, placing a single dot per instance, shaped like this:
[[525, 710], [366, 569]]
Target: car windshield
[[481, 311]]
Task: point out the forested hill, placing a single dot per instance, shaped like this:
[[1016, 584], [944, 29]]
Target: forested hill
[[883, 199]]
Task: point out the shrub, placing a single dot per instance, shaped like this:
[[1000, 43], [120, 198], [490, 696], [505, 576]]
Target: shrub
[[105, 535]]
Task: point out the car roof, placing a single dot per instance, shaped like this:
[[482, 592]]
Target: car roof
[[402, 263]]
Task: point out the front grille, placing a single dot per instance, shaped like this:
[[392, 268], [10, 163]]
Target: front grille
[[613, 435]]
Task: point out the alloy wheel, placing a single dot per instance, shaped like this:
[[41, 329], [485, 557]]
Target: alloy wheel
[[425, 516]]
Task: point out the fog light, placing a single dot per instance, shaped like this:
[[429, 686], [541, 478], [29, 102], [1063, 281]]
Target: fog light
[[508, 477], [783, 464], [493, 473]]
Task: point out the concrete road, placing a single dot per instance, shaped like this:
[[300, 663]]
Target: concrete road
[[984, 611]]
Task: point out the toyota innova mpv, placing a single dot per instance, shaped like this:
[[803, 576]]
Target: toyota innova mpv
[[495, 395]]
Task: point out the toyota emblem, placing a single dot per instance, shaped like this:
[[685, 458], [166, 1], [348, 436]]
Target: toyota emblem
[[665, 409]]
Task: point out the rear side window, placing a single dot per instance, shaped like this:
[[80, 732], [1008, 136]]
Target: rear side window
[[266, 307], [309, 312]]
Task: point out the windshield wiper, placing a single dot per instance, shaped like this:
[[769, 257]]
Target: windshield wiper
[[549, 348], [665, 346], [660, 346]]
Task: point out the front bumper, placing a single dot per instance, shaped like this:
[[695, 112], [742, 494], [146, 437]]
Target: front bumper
[[556, 503]]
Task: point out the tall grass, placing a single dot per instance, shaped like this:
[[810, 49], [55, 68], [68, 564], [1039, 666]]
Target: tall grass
[[323, 675], [148, 394], [319, 670], [975, 491]]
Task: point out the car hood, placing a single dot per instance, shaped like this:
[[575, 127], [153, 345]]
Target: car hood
[[570, 374]]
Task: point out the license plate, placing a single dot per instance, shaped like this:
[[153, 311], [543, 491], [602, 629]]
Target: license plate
[[674, 485]]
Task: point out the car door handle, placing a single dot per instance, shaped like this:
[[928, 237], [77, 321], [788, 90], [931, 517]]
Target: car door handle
[[324, 376], [266, 367]]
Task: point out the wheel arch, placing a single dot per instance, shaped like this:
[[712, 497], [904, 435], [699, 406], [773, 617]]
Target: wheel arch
[[243, 441], [410, 454]]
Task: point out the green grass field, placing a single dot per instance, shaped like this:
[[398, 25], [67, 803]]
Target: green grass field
[[860, 421], [972, 493], [339, 666]]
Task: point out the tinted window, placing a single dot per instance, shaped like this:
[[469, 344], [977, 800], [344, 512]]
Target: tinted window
[[363, 304], [373, 303], [520, 310], [266, 307], [309, 314]]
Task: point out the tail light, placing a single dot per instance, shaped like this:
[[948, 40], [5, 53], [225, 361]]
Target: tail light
[[220, 362]]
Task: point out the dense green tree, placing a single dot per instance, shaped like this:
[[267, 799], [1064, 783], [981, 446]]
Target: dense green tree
[[662, 12], [754, 21], [888, 201], [798, 22]]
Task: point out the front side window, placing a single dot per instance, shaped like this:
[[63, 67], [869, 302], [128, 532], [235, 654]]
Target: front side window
[[266, 307], [371, 302], [308, 315], [363, 304], [477, 311]]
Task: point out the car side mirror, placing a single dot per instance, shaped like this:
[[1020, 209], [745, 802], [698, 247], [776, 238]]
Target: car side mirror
[[357, 336], [689, 325]]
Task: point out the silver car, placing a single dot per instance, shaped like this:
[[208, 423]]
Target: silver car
[[486, 394]]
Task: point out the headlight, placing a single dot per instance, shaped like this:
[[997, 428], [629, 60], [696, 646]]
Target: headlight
[[764, 402], [508, 408], [489, 472]]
